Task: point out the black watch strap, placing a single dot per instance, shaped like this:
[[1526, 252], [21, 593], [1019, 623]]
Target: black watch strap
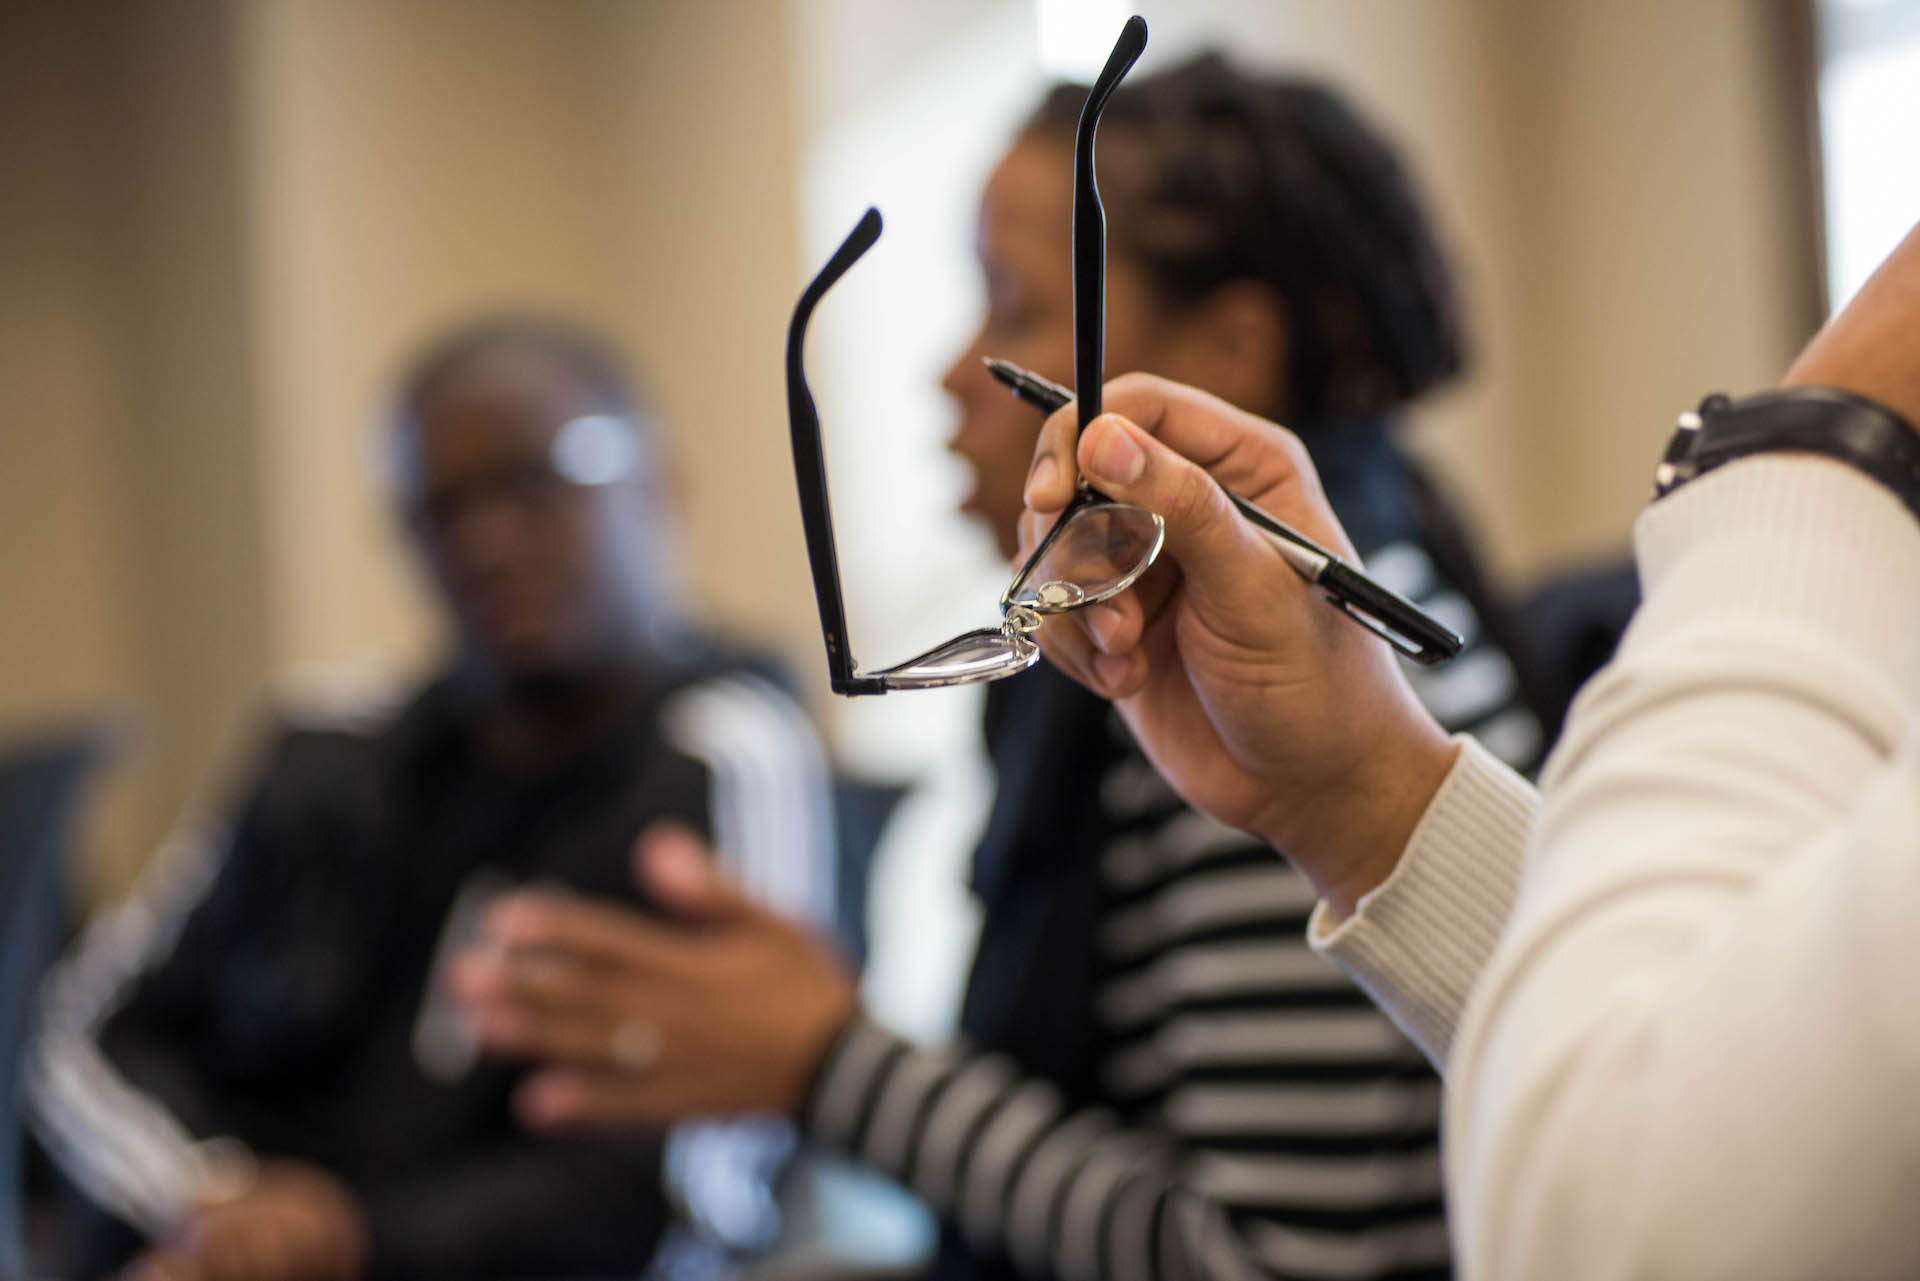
[[1821, 420]]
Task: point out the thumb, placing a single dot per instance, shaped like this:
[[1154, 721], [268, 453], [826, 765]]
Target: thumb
[[1216, 548], [679, 871]]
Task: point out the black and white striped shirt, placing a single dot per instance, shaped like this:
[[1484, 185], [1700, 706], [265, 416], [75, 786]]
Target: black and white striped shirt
[[1258, 1117]]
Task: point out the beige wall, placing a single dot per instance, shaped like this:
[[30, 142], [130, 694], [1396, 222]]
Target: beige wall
[[225, 221], [130, 497], [1617, 183], [237, 219], [1661, 254], [627, 164]]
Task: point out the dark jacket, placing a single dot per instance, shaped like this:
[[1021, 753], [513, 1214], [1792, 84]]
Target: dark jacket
[[286, 1011]]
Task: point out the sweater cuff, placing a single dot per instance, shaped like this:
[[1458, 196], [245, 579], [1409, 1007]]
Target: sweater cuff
[[1807, 546], [1419, 939]]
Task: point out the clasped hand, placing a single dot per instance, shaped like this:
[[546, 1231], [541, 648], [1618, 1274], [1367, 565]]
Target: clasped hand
[[722, 1008]]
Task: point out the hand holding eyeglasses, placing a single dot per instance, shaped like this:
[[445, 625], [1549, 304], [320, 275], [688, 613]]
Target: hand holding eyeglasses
[[1261, 706], [1096, 547]]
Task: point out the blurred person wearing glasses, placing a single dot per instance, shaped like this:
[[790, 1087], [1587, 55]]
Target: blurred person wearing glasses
[[254, 1064], [1157, 1076]]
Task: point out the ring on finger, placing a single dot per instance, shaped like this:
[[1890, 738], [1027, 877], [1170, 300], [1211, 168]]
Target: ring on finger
[[635, 1045]]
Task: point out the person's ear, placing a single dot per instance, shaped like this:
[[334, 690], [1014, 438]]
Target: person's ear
[[1235, 343]]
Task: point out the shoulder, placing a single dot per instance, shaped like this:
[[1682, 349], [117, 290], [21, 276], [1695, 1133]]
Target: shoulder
[[316, 760], [732, 701], [771, 801]]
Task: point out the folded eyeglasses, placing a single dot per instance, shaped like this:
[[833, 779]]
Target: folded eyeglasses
[[1098, 547]]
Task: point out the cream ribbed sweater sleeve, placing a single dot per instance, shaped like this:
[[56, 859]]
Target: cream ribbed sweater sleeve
[[1419, 940], [1694, 1051]]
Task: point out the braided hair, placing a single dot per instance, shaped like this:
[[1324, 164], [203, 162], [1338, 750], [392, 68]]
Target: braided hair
[[1277, 180]]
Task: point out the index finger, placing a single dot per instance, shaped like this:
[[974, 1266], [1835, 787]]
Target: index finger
[[590, 931], [1259, 460]]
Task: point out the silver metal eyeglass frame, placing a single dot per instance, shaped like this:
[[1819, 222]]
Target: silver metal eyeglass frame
[[985, 653]]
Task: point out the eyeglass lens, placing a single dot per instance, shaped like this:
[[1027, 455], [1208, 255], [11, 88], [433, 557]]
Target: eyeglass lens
[[1098, 553], [986, 654]]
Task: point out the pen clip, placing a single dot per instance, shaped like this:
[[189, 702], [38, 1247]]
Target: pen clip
[[1388, 615], [1408, 648]]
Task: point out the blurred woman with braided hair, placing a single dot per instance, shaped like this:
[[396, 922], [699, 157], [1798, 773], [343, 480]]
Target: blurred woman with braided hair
[[1267, 246], [1157, 1077]]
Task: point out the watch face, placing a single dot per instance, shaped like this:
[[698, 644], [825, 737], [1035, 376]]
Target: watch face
[[1673, 466]]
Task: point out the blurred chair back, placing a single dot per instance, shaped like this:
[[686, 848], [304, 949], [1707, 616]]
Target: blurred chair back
[[39, 786], [1573, 623]]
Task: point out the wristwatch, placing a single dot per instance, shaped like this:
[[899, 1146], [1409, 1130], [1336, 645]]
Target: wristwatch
[[1821, 420]]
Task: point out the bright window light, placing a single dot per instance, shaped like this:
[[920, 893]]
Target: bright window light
[[1869, 119], [1076, 35]]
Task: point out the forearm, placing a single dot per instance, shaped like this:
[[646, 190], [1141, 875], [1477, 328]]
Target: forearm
[[1417, 787], [1691, 996], [958, 1130], [119, 1141], [1067, 1193], [118, 1098]]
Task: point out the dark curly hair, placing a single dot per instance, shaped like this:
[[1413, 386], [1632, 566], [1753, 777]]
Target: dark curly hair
[[1277, 180]]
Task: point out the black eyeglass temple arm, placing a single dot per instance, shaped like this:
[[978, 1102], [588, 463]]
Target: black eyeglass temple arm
[[1391, 617], [810, 468], [1090, 226]]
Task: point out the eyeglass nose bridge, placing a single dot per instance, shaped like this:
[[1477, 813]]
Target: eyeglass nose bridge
[[1020, 621]]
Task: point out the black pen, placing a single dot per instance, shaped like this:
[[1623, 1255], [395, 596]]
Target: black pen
[[1385, 613]]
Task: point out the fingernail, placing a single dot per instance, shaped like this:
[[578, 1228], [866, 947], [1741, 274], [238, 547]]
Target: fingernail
[[1045, 472], [469, 974], [675, 860], [1101, 621], [510, 919], [1118, 458]]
